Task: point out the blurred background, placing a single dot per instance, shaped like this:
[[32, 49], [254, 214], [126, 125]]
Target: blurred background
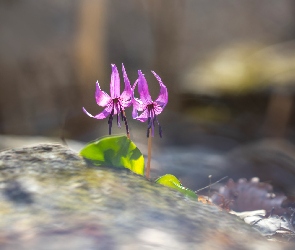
[[229, 67]]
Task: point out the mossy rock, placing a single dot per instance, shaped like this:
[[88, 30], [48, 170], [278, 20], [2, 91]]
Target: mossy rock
[[51, 198]]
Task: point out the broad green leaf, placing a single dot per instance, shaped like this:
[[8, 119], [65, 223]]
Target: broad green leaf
[[170, 180], [116, 151]]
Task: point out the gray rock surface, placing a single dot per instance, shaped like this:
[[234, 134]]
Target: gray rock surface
[[53, 199], [17, 141]]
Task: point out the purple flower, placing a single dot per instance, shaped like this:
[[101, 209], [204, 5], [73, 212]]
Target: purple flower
[[116, 103], [150, 109]]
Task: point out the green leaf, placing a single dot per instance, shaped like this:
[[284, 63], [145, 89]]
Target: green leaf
[[116, 151], [170, 180]]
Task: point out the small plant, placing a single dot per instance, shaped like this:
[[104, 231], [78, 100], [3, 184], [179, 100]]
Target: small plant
[[120, 151], [150, 109]]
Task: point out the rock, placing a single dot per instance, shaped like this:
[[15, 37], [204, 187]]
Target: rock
[[51, 198], [16, 141]]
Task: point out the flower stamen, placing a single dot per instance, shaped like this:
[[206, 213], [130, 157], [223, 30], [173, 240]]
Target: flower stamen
[[110, 121]]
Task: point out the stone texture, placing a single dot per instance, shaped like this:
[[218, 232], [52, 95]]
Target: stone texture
[[53, 199]]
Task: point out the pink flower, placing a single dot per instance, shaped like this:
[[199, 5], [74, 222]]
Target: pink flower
[[149, 108], [116, 103]]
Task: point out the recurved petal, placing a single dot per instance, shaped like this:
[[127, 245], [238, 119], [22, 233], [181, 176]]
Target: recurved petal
[[143, 89], [134, 113], [86, 112], [134, 85], [162, 99], [143, 116], [127, 93], [102, 98], [158, 109], [115, 83], [105, 113], [126, 104], [133, 88], [137, 106]]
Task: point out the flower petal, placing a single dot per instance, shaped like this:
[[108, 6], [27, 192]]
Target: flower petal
[[105, 113], [143, 117], [137, 106], [102, 98], [116, 109], [86, 112], [157, 109], [133, 88], [127, 93], [162, 99], [115, 82], [143, 89], [136, 103]]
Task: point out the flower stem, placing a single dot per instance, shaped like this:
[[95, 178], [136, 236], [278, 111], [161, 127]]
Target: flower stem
[[148, 165]]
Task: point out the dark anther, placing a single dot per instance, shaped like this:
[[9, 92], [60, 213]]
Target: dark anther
[[126, 123], [118, 121], [110, 121], [124, 118], [110, 124]]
